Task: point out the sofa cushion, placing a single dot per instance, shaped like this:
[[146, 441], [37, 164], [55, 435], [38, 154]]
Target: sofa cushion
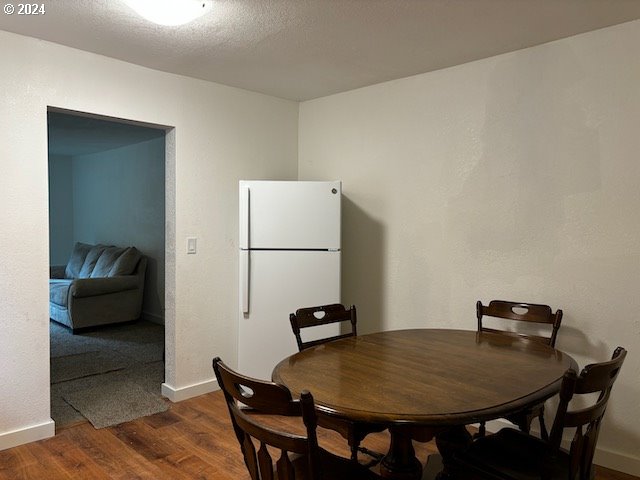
[[105, 263], [59, 291], [77, 259], [126, 263], [91, 260]]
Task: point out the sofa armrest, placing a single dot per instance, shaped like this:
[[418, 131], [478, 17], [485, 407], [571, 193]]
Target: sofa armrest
[[88, 287], [57, 271]]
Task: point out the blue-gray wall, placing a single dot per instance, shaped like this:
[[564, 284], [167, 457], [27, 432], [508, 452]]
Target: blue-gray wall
[[60, 209], [118, 199]]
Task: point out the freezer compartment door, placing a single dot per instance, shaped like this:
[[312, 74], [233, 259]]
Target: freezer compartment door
[[279, 284], [290, 215]]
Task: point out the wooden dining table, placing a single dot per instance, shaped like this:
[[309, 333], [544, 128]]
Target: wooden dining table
[[425, 383]]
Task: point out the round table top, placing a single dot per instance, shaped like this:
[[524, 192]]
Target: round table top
[[427, 376]]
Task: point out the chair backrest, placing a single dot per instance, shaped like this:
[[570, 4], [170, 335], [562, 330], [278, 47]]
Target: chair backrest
[[523, 312], [322, 315], [595, 378], [247, 397]]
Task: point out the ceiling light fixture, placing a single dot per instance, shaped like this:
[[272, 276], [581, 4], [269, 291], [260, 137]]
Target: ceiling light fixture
[[170, 12]]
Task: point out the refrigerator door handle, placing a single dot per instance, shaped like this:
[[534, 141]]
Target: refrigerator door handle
[[244, 217], [244, 280]]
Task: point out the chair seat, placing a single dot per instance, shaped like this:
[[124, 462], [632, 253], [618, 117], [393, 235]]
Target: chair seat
[[513, 455], [333, 467]]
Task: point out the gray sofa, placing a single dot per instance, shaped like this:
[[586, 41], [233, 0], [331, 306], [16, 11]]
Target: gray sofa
[[100, 285]]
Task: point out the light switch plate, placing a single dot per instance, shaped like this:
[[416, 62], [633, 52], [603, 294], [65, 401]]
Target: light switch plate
[[192, 245]]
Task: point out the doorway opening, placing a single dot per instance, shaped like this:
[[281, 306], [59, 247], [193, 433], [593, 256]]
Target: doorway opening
[[107, 244]]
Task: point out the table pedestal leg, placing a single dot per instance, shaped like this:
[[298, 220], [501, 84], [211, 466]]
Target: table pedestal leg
[[401, 463], [449, 442]]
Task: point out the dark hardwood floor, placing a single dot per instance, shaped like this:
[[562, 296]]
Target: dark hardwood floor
[[192, 440]]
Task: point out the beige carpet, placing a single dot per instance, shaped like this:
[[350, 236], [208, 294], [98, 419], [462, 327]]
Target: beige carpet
[[113, 403], [102, 359], [71, 367]]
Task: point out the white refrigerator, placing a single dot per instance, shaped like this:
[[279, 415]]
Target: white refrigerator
[[289, 259]]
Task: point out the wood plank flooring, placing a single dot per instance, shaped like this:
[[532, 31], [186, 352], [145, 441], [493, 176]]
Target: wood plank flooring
[[192, 440]]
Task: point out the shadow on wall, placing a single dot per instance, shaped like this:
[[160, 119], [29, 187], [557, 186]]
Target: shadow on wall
[[575, 342], [363, 266], [617, 433], [153, 302]]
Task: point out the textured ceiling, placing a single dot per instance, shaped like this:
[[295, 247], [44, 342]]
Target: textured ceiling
[[303, 49]]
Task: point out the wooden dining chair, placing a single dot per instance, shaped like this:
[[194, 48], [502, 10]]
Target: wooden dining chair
[[300, 458], [353, 432], [531, 314], [515, 455], [323, 315]]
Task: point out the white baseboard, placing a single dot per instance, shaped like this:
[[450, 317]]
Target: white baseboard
[[605, 458], [27, 435], [179, 394], [617, 461]]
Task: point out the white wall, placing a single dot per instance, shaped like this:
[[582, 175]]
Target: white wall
[[119, 200], [515, 177], [60, 217], [221, 134]]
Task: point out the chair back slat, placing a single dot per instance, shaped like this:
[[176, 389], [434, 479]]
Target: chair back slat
[[595, 378], [250, 457], [265, 463], [522, 312], [589, 446], [320, 341], [322, 315], [284, 467], [577, 443], [247, 400]]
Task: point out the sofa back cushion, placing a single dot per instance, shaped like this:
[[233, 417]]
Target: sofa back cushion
[[105, 262], [91, 260], [78, 256], [126, 263]]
